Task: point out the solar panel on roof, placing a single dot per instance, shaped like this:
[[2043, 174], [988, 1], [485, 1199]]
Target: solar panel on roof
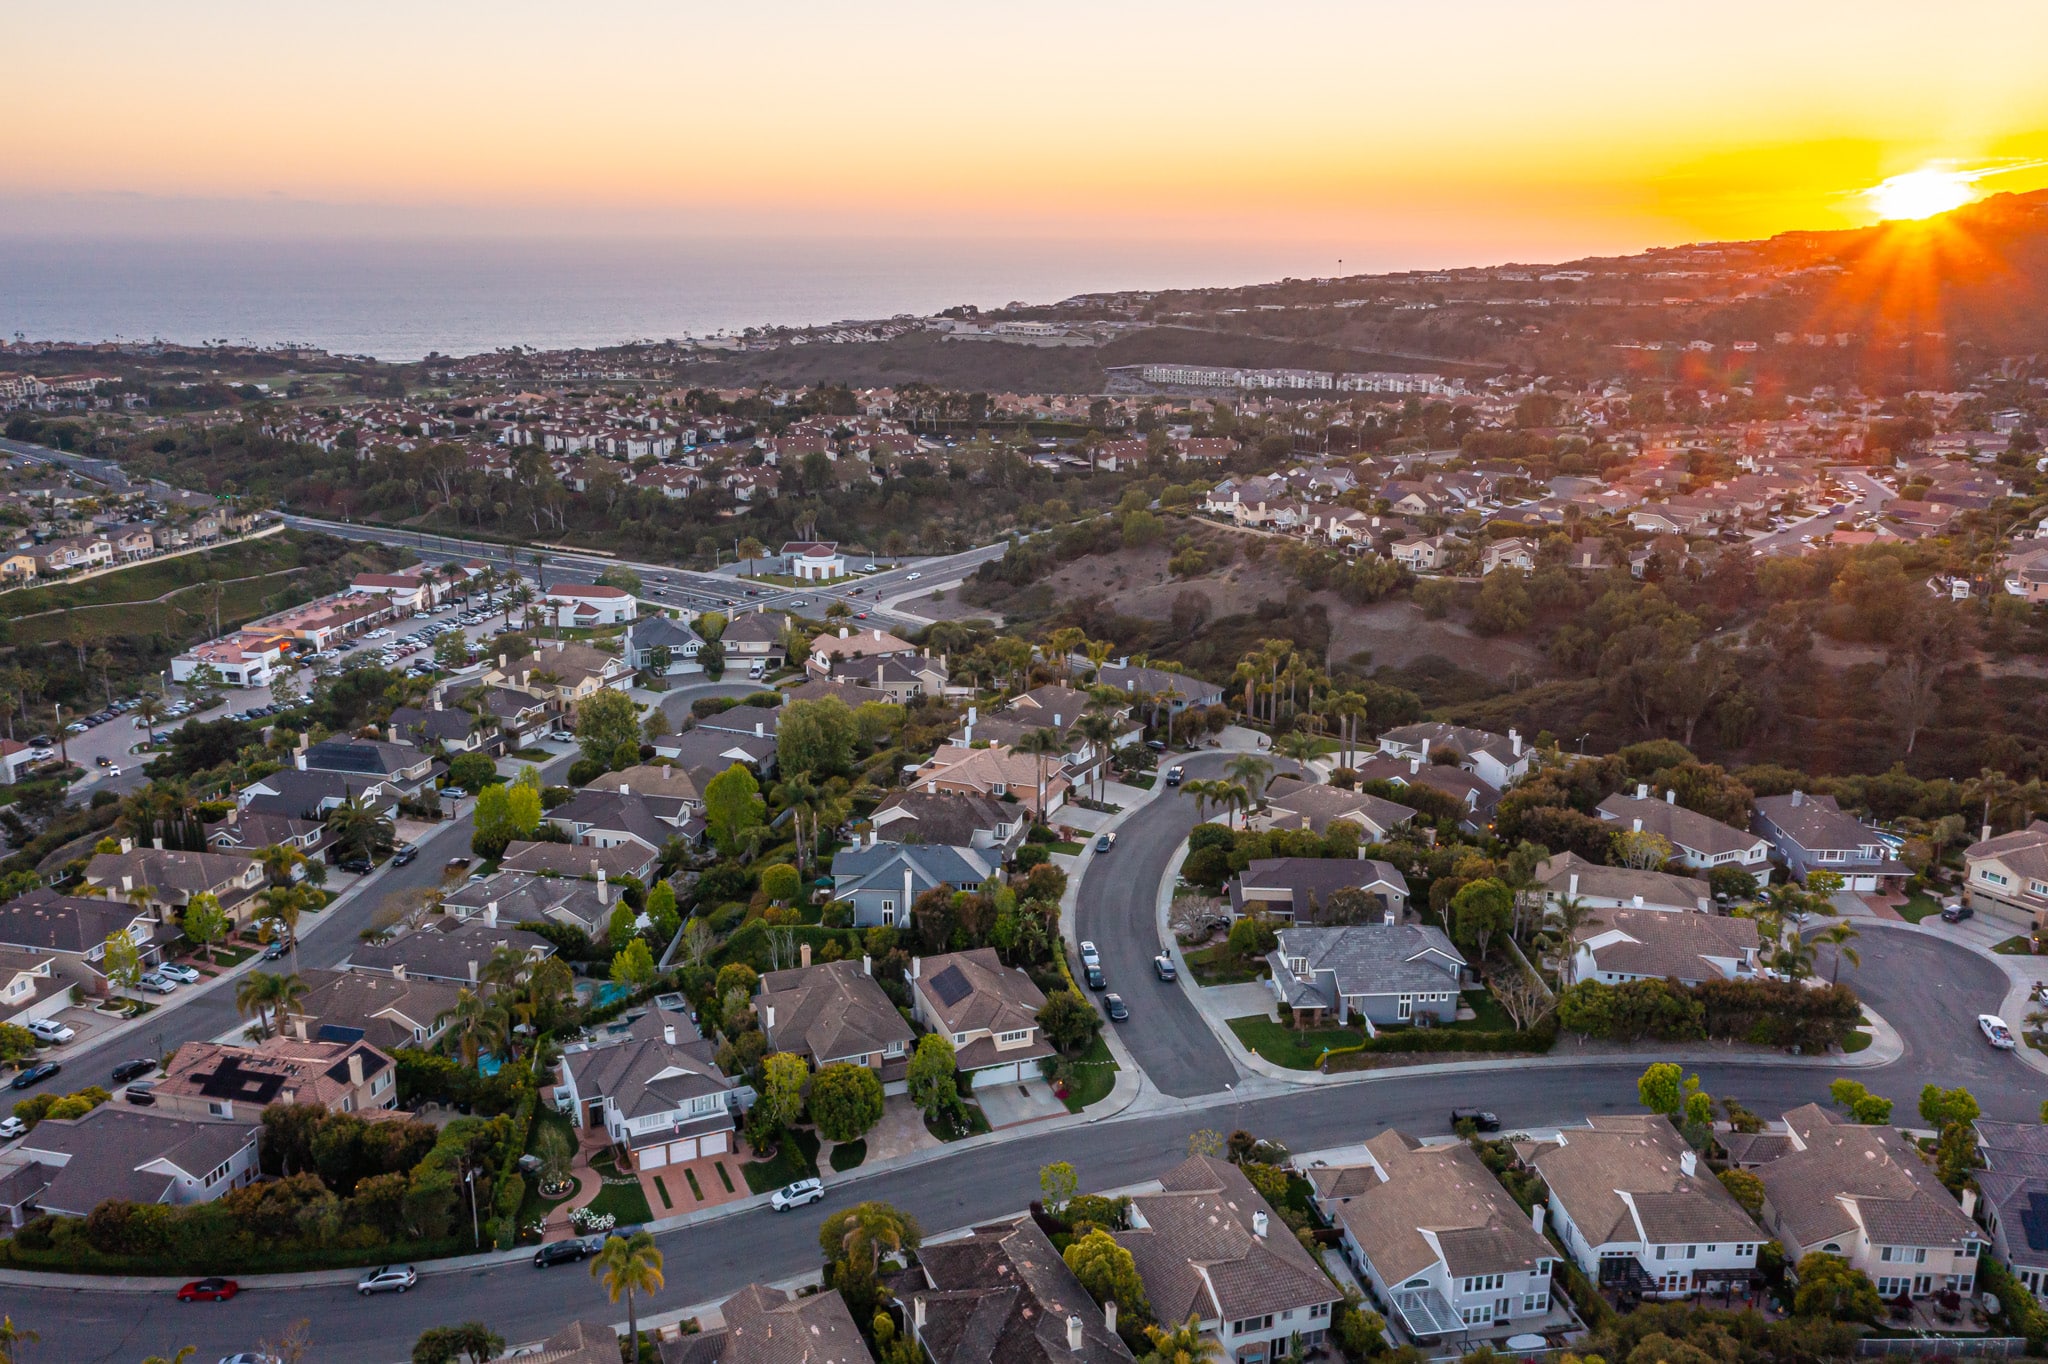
[[338, 1032], [951, 986], [2034, 1221], [230, 1081]]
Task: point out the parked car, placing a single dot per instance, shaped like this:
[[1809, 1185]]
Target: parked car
[[796, 1195], [1481, 1118], [133, 1070], [1089, 956], [12, 1127], [35, 1075], [276, 950], [560, 1253], [50, 1030], [184, 975], [142, 1093], [209, 1290], [361, 866], [1995, 1032], [405, 855], [1174, 774], [457, 863], [1163, 966], [1095, 978], [1104, 842], [454, 793], [1957, 912], [155, 984], [251, 1357], [387, 1279], [1114, 1003]]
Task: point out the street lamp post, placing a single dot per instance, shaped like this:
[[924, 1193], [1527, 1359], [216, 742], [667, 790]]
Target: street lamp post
[[476, 1235]]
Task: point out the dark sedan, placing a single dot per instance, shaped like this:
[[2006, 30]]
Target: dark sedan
[[132, 1070], [34, 1075]]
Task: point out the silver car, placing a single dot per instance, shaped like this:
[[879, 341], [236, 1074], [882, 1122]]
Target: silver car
[[387, 1279]]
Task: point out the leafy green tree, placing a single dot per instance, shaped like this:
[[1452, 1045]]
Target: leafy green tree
[[470, 1343], [621, 577], [782, 1089], [1109, 1273], [606, 722], [471, 771], [634, 964], [1942, 1108], [620, 926], [1830, 1287], [816, 738], [121, 961], [931, 1080], [1251, 938], [1861, 1104], [492, 820], [1057, 1185], [15, 1043], [846, 1100], [661, 911], [1746, 1189], [733, 805], [1481, 911], [205, 922], [780, 883], [1661, 1088], [1069, 1021]]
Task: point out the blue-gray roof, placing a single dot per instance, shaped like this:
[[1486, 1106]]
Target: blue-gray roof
[[881, 867]]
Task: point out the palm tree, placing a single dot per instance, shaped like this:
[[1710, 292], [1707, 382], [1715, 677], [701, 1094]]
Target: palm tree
[[12, 1336], [285, 904], [279, 860], [629, 1265], [1236, 797], [506, 968], [1100, 731], [1298, 745], [1994, 789], [266, 998], [1838, 936], [1184, 1344], [1561, 929], [1041, 744], [1249, 772], [149, 708], [475, 1023], [799, 796], [357, 824]]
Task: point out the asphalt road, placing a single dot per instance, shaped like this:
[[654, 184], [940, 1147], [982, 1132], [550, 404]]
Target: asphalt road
[[1875, 495], [1117, 910]]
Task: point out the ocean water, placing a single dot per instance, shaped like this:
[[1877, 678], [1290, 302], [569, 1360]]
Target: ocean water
[[399, 299]]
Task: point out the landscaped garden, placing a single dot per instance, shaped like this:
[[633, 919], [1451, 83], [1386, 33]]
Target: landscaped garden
[[796, 1158], [1285, 1045], [621, 1197], [1093, 1076]]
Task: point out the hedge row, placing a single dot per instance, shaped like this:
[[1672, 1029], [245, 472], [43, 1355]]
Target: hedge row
[[1439, 1040]]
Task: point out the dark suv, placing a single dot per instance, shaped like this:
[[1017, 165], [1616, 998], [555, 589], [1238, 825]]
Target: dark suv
[[560, 1253], [1480, 1118]]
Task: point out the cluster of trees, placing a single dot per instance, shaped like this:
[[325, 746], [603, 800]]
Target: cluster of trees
[[1763, 1012]]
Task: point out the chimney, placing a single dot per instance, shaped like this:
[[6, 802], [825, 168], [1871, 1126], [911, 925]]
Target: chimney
[[1414, 766], [842, 632], [768, 1017], [127, 883], [1639, 822], [398, 970], [438, 702], [1969, 1202], [878, 635], [127, 845], [867, 965], [1259, 1223], [491, 914], [355, 1069], [1798, 799], [668, 1033], [1536, 1215], [391, 734], [1688, 1163], [1074, 1336], [1109, 1315], [157, 843], [760, 729], [1671, 796], [803, 954], [971, 712], [1515, 739], [501, 661], [298, 1027], [1642, 793], [906, 890], [625, 788], [1572, 889], [931, 788], [472, 973], [299, 761], [1639, 902], [917, 1312]]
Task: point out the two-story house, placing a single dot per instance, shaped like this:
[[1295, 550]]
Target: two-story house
[[77, 927], [834, 1011], [1699, 841], [963, 819], [1296, 804], [658, 1092], [1811, 833], [1638, 1211], [1004, 1294], [1866, 1195], [384, 1011], [1498, 760], [1000, 772], [756, 638], [399, 767], [35, 984], [1376, 975], [1208, 1247], [645, 637], [1568, 876], [1297, 890], [2014, 1185], [882, 880], [172, 877], [116, 1151], [234, 1082], [2006, 877], [987, 1009], [1438, 1238]]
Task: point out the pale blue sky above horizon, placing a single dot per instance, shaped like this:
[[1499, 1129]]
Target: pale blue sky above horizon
[[1462, 129]]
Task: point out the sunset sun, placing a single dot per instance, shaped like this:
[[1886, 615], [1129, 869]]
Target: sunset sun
[[1921, 193]]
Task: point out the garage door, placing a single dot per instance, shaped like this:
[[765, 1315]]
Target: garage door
[[680, 1151], [652, 1157], [999, 1075], [717, 1144]]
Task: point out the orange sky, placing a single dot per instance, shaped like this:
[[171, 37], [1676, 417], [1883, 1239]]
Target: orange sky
[[1466, 126]]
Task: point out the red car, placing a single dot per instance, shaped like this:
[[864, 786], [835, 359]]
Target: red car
[[209, 1290]]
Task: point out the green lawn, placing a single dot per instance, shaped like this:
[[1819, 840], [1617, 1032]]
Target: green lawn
[[1296, 1049], [798, 1159], [1919, 907], [2016, 946], [977, 1123], [1216, 966], [533, 1207], [1856, 1041], [1487, 1015], [1066, 846], [848, 1155], [1094, 1076], [624, 1200], [1143, 780]]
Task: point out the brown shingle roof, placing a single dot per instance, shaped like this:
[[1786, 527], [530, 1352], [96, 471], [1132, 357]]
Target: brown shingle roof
[[1846, 1172], [1199, 1256], [829, 1012], [1440, 1192], [1629, 1169], [766, 1326]]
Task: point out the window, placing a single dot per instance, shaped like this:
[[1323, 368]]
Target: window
[[1903, 1255], [1660, 1252], [1319, 1312], [221, 1108], [1536, 1302], [1021, 1035], [1476, 1316], [1249, 1324], [959, 1039], [1890, 1285], [1542, 1269], [1483, 1283]]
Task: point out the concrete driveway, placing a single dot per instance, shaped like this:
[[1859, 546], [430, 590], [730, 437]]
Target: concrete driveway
[[1009, 1105]]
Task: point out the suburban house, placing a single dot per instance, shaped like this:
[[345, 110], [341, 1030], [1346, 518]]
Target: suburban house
[[1003, 1295], [116, 1151], [386, 1012], [963, 819], [35, 984], [1207, 1246], [172, 877], [989, 1010], [587, 604], [756, 637], [1639, 1212], [1297, 889], [1568, 876], [896, 680], [1479, 797], [1174, 692], [996, 771], [1810, 833], [1374, 974], [2014, 1185], [516, 899], [310, 796], [225, 1080], [1438, 1237], [658, 1092], [518, 714], [77, 927], [1701, 841], [1514, 553], [1497, 761], [2007, 877], [600, 818], [580, 1342], [882, 880], [453, 950], [401, 767], [1295, 804], [1426, 553], [453, 730], [704, 753], [1864, 1193], [1618, 945], [650, 633], [828, 651], [581, 862], [766, 1325], [834, 1011], [16, 758]]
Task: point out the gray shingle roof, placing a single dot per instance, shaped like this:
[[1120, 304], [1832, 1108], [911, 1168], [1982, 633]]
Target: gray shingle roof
[[1657, 943], [1441, 1192], [109, 1146], [1368, 959], [766, 1326], [1686, 829], [1305, 883], [1004, 1296], [930, 865], [829, 1012], [1558, 874]]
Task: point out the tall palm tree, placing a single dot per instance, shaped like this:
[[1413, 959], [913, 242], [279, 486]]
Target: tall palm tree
[[799, 795], [149, 708], [266, 998], [629, 1265], [1996, 790], [278, 861], [1041, 744], [507, 967], [357, 824], [1838, 936], [1100, 732], [475, 1023], [1249, 772], [11, 1337], [285, 904], [1184, 1344]]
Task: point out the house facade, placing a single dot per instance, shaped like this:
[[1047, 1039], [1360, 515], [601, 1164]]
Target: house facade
[[658, 1093], [1373, 974], [987, 1009], [1699, 841], [1811, 833], [2006, 877]]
